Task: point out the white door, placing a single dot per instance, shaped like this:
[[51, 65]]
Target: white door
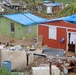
[[72, 38], [71, 41]]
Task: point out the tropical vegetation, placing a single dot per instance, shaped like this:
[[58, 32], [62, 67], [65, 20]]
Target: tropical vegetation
[[65, 1], [4, 71], [69, 10], [61, 1]]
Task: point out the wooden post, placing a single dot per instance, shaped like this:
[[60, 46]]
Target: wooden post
[[75, 46], [50, 68], [0, 57], [27, 58]]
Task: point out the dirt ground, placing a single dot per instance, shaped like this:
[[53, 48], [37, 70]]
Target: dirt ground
[[26, 42]]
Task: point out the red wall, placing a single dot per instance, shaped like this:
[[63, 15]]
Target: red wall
[[43, 30], [61, 33]]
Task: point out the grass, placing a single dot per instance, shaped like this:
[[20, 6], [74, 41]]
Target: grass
[[4, 71]]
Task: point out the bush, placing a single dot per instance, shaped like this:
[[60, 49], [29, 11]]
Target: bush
[[3, 71]]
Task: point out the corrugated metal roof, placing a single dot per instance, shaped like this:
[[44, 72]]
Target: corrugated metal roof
[[25, 18]]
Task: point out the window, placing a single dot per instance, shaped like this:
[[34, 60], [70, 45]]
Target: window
[[12, 27], [52, 32]]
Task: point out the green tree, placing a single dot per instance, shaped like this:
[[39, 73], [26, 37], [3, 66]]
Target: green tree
[[53, 1], [69, 10]]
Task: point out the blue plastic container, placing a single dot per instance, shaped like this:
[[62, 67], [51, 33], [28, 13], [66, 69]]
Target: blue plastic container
[[7, 65], [62, 40]]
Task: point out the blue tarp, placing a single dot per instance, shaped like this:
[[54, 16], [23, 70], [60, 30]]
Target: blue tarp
[[26, 18], [71, 19]]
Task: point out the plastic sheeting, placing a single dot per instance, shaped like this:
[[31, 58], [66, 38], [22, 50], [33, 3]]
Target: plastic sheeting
[[25, 18], [71, 19], [53, 51]]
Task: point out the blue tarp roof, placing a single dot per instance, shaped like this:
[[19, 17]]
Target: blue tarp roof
[[25, 18], [71, 19]]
